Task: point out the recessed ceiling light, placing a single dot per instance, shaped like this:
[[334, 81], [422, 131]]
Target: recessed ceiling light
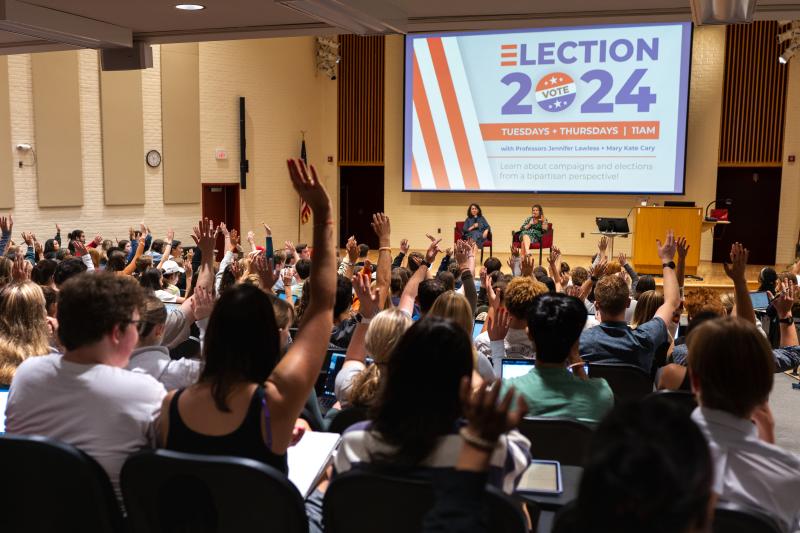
[[189, 7]]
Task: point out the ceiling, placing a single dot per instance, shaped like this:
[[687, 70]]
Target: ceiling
[[157, 21]]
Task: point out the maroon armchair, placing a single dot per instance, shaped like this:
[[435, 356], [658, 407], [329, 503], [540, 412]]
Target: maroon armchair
[[458, 231], [546, 242]]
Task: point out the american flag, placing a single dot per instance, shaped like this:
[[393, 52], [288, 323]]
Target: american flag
[[305, 209]]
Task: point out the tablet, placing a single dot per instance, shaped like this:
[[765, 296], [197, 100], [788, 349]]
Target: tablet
[[513, 368], [477, 328], [760, 300], [541, 477]]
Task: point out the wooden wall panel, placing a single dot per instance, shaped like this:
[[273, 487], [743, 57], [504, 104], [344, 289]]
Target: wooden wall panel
[[754, 96], [6, 150], [361, 82], [180, 117], [57, 128], [123, 137]]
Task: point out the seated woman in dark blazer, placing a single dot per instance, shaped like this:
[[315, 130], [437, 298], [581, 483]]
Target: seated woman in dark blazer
[[475, 226]]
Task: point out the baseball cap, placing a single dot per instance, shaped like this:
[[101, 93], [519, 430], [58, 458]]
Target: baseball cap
[[171, 267]]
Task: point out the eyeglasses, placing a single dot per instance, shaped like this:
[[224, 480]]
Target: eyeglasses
[[140, 324]]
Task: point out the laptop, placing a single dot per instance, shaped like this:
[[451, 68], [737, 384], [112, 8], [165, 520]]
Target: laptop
[[326, 394], [477, 328], [612, 225], [3, 402], [760, 300], [514, 368]]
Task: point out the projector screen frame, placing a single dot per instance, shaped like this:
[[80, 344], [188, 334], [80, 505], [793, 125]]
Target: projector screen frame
[[683, 119]]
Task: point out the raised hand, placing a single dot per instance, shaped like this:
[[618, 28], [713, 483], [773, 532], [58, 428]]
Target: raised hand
[[309, 187], [736, 270], [287, 275], [27, 238], [265, 268], [188, 270], [527, 265], [682, 247], [98, 239], [433, 249], [202, 303], [58, 229], [80, 248], [6, 224], [404, 246], [497, 325], [234, 238], [267, 229], [514, 251], [368, 298], [487, 418], [784, 302], [251, 236], [382, 228], [352, 249], [224, 229], [204, 236], [623, 260], [170, 236], [21, 269], [598, 270], [190, 255], [666, 251], [602, 244]]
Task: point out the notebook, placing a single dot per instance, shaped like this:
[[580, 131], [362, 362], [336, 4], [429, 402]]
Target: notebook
[[3, 402], [513, 368], [308, 459]]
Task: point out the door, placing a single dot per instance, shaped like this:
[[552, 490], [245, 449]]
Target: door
[[221, 204], [360, 195], [756, 196]]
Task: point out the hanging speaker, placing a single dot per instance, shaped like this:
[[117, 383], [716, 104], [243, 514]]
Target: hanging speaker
[[137, 57], [722, 11]]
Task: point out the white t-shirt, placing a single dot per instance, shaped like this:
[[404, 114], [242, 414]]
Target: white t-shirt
[[108, 412], [172, 373]]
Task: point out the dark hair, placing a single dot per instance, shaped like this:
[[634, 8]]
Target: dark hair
[[228, 356], [116, 261], [611, 295], [480, 213], [49, 247], [414, 409], [363, 250], [73, 236], [151, 279], [547, 280], [43, 271], [699, 318], [399, 279], [412, 265], [541, 210], [580, 275], [648, 469], [62, 254], [645, 283], [157, 246], [492, 264], [447, 279], [539, 272], [300, 247], [429, 290], [153, 314], [344, 296], [555, 322], [303, 268], [733, 364], [50, 297], [121, 245], [228, 280], [766, 279], [67, 269], [91, 305]]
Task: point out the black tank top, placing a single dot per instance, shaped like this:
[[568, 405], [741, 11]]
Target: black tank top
[[244, 441]]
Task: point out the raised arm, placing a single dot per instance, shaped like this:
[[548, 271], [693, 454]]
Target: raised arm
[[554, 263], [465, 257], [682, 249], [383, 277], [167, 248], [356, 350], [292, 380], [398, 261], [350, 257], [412, 287], [205, 236], [139, 246], [623, 261], [783, 306], [736, 271], [672, 297], [6, 225]]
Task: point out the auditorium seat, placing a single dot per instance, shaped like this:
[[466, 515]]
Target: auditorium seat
[[52, 486], [732, 517], [458, 232], [627, 382], [171, 491], [547, 241], [358, 500], [561, 439]]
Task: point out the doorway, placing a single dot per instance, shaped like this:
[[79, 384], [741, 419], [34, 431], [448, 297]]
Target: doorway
[[360, 195], [221, 204], [756, 194]]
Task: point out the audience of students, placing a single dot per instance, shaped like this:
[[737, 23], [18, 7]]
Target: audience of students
[[92, 334]]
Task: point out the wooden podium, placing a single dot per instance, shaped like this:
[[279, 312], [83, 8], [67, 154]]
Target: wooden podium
[[653, 223]]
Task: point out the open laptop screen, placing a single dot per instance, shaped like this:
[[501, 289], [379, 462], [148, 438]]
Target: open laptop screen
[[513, 368], [3, 401]]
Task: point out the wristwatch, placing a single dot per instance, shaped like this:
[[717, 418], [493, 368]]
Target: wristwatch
[[426, 263], [788, 320], [671, 265]]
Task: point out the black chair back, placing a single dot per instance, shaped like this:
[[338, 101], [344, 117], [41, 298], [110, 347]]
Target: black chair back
[[565, 440], [685, 400], [51, 486], [172, 492], [732, 517], [346, 418], [628, 382], [364, 502]]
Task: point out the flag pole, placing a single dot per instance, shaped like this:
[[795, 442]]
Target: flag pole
[[300, 200]]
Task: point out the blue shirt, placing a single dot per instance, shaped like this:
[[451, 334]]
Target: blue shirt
[[616, 342]]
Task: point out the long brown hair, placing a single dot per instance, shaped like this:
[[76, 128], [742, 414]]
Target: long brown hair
[[23, 326]]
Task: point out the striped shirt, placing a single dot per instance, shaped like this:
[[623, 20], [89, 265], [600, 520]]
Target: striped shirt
[[509, 459]]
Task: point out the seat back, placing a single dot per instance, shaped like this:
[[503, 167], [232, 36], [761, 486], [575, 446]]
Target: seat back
[[458, 231], [547, 237], [685, 400], [565, 440], [171, 492], [52, 486], [346, 418], [732, 517], [628, 382], [358, 501]]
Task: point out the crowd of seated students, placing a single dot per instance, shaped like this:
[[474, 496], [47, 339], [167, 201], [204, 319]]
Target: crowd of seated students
[[144, 344]]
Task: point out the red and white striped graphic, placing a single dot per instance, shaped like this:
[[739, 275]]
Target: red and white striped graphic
[[448, 151]]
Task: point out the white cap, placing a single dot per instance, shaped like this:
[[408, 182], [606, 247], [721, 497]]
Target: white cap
[[171, 267]]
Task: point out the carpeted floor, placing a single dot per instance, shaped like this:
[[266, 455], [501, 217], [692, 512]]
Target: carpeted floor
[[785, 404]]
